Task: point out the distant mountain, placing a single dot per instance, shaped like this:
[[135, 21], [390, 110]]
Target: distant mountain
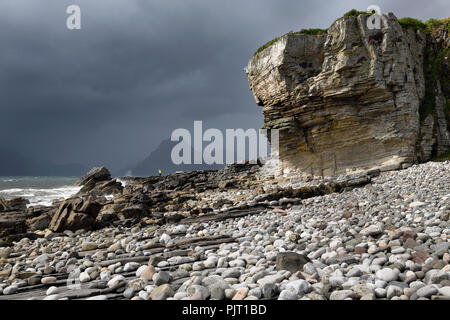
[[13, 163], [161, 159]]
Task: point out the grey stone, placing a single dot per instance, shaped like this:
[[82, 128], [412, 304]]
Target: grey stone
[[427, 291], [291, 261], [354, 272], [161, 277], [380, 292], [269, 290], [362, 290], [393, 291], [300, 287], [10, 290], [288, 294], [128, 293], [342, 294], [231, 273], [217, 292], [445, 291], [256, 292], [162, 292], [387, 274]]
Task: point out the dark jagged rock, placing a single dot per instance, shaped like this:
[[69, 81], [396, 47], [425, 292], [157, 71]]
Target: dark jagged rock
[[98, 182], [19, 236], [186, 196], [40, 222], [95, 175], [75, 214], [3, 205], [15, 204], [134, 211]]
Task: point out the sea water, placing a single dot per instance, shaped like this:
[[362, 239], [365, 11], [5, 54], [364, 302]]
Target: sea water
[[38, 190]]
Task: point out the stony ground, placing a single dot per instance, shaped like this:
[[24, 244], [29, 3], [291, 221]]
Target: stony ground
[[386, 240]]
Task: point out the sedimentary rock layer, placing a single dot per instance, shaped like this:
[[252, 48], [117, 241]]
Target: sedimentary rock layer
[[349, 100]]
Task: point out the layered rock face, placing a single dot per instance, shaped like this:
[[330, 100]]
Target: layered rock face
[[74, 214], [349, 100], [434, 137]]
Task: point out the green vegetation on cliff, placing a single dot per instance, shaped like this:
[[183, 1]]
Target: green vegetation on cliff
[[268, 44], [433, 62], [314, 32], [354, 13], [432, 68], [431, 25], [435, 59], [437, 23], [411, 23]]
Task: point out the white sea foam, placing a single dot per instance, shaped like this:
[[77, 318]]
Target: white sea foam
[[109, 196], [43, 197], [124, 183]]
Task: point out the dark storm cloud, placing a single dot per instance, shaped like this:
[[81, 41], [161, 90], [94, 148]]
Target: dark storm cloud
[[109, 93]]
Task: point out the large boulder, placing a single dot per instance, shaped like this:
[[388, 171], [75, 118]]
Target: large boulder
[[94, 175], [134, 211], [75, 214], [16, 204], [38, 223], [349, 100], [98, 182]]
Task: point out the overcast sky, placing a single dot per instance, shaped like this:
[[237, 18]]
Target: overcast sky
[[109, 93]]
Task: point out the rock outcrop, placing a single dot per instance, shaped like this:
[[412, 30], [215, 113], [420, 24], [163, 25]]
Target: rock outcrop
[[98, 181], [95, 175], [353, 99], [74, 214], [237, 190], [3, 205], [15, 204]]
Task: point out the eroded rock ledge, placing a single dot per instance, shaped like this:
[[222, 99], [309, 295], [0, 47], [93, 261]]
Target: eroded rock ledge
[[235, 191], [349, 100]]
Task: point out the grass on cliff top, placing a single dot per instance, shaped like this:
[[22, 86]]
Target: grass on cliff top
[[268, 44], [406, 23], [434, 26], [313, 31], [428, 26], [437, 22], [303, 31], [411, 23], [354, 13]]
